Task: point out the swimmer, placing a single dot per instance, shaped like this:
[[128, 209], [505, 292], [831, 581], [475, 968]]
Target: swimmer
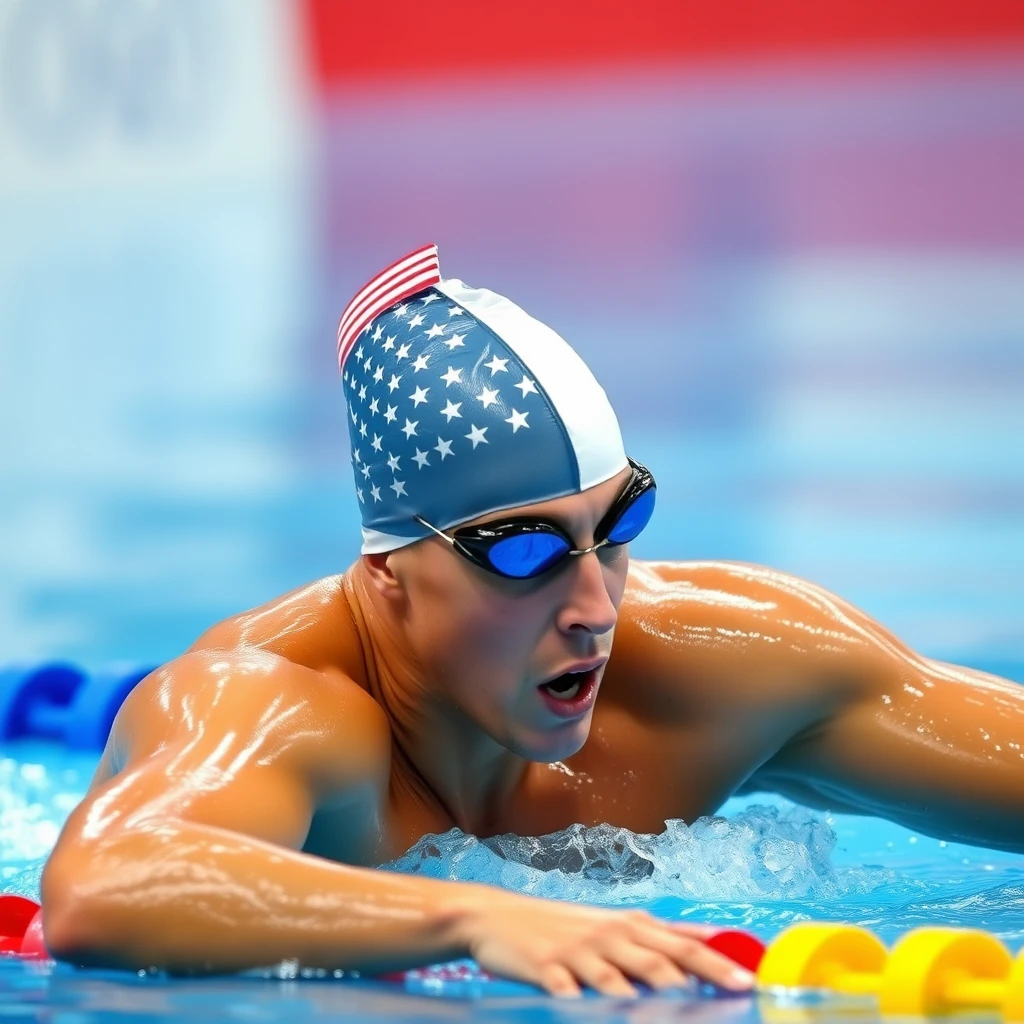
[[494, 661]]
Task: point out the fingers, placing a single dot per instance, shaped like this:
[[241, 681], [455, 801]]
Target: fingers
[[690, 953], [641, 963], [596, 972], [557, 980]]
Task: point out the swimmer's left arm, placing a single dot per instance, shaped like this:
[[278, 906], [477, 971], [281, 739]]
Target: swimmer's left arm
[[933, 746]]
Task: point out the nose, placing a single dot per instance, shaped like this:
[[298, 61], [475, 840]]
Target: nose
[[588, 603]]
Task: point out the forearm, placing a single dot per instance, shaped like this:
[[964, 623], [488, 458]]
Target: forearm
[[187, 897]]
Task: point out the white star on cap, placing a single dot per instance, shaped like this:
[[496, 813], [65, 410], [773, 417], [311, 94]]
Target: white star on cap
[[420, 458], [436, 331], [367, 364], [377, 333], [476, 435], [366, 470], [375, 405], [419, 396], [455, 341], [488, 397], [399, 488], [389, 344], [378, 374], [389, 414], [455, 311], [393, 383], [355, 416], [362, 393], [410, 428], [403, 352], [526, 386], [444, 447], [420, 364], [359, 494], [362, 430], [518, 419], [375, 443], [393, 462], [453, 376], [451, 410], [355, 455], [415, 321], [359, 353], [402, 309], [497, 365], [375, 491], [428, 299]]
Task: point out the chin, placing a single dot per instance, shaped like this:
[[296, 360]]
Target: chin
[[550, 745]]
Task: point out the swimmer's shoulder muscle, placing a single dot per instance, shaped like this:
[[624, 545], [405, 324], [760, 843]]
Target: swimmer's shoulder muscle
[[710, 633], [254, 727], [821, 702]]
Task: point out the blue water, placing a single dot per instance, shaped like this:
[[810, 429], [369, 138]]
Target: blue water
[[801, 289], [762, 865]]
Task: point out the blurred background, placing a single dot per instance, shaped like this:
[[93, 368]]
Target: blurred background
[[788, 237]]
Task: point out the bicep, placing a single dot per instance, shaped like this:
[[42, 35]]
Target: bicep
[[239, 742]]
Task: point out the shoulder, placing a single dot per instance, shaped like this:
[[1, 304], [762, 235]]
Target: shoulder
[[715, 632], [310, 626], [232, 695]]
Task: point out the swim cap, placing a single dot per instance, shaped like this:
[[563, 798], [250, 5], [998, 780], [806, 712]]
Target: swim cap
[[461, 404]]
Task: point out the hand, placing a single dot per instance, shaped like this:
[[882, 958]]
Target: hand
[[562, 946]]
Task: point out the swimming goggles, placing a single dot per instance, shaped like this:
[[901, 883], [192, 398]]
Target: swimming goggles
[[522, 548]]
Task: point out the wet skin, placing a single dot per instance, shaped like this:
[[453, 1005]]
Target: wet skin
[[350, 718]]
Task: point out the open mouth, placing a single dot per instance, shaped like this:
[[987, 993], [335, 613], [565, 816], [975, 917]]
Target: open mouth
[[570, 694], [566, 687]]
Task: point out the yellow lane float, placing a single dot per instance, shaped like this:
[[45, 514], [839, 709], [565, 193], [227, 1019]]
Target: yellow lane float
[[930, 971]]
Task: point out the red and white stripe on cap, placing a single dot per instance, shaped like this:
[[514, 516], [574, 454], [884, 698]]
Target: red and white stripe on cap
[[412, 273]]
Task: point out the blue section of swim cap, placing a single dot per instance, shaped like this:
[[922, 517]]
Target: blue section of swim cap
[[446, 421]]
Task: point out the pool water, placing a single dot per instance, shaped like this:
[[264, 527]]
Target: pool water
[[801, 289], [762, 865]]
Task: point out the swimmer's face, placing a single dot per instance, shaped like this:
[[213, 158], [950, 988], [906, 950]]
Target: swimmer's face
[[488, 643]]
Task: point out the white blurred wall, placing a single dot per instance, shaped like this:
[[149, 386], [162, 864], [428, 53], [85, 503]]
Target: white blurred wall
[[153, 242]]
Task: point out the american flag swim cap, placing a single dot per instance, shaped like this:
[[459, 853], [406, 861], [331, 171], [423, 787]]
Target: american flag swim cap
[[461, 404]]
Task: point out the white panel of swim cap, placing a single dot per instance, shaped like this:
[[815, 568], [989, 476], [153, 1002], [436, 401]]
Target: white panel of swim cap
[[376, 543], [574, 391]]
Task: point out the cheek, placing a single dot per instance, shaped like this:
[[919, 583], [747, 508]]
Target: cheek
[[497, 634], [465, 627]]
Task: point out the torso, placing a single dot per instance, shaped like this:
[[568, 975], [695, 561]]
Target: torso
[[651, 754]]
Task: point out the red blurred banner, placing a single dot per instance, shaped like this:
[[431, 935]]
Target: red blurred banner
[[352, 40]]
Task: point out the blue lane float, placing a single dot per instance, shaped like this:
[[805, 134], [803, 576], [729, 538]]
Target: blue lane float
[[58, 701]]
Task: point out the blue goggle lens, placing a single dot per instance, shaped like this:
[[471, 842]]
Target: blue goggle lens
[[633, 520], [527, 554]]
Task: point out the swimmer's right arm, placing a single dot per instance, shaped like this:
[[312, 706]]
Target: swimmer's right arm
[[185, 854]]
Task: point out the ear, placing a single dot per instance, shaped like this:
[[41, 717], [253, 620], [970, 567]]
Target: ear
[[381, 574]]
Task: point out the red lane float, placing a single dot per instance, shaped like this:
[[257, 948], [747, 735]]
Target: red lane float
[[33, 946], [21, 928], [741, 947]]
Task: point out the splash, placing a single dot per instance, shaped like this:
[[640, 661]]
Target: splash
[[761, 853]]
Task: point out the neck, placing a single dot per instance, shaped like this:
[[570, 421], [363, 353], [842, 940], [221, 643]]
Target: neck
[[449, 759]]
